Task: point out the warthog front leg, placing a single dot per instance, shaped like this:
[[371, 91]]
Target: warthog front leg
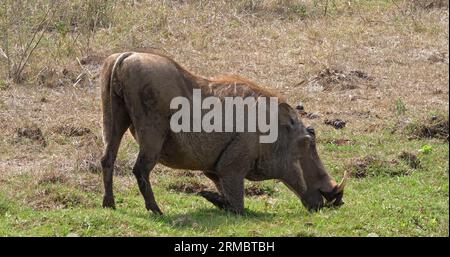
[[233, 201], [229, 174], [233, 192], [215, 198], [231, 198]]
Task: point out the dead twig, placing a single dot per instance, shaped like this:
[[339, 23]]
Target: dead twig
[[78, 79], [2, 53], [84, 68]]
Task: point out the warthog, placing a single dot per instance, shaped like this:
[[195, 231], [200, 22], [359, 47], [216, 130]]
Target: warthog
[[136, 91]]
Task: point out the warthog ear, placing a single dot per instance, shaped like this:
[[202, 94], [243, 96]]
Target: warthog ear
[[311, 131], [305, 141], [286, 115]]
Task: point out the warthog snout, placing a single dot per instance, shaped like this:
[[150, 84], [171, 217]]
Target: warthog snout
[[321, 190], [334, 198]]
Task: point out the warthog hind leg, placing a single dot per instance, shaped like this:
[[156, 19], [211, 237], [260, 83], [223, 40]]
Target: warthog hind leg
[[150, 139], [141, 171], [113, 133]]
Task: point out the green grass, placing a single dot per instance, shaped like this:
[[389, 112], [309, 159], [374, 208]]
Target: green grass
[[387, 205]]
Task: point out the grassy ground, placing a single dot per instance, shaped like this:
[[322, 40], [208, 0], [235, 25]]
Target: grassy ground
[[381, 66]]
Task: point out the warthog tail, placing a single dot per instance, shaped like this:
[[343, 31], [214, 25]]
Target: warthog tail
[[107, 80]]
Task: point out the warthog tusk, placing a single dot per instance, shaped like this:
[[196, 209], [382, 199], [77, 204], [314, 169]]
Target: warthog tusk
[[343, 182]]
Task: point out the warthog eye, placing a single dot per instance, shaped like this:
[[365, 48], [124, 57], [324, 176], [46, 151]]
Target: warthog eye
[[311, 130]]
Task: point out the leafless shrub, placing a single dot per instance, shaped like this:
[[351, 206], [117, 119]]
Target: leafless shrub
[[23, 25], [26, 26]]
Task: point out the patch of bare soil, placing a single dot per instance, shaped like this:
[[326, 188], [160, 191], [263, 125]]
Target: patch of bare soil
[[309, 115], [437, 58], [85, 182], [431, 4], [410, 158], [81, 72], [89, 152], [52, 78], [33, 133], [88, 183], [93, 59], [71, 131], [194, 187], [370, 166], [258, 190], [184, 221], [335, 123], [184, 173], [51, 198], [340, 142], [360, 166], [52, 177], [333, 79], [435, 127], [191, 187], [90, 65]]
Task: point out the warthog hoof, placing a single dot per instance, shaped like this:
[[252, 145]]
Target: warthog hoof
[[220, 202], [108, 202], [214, 198], [154, 208]]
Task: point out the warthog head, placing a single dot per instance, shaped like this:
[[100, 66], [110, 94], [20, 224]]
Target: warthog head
[[304, 172]]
